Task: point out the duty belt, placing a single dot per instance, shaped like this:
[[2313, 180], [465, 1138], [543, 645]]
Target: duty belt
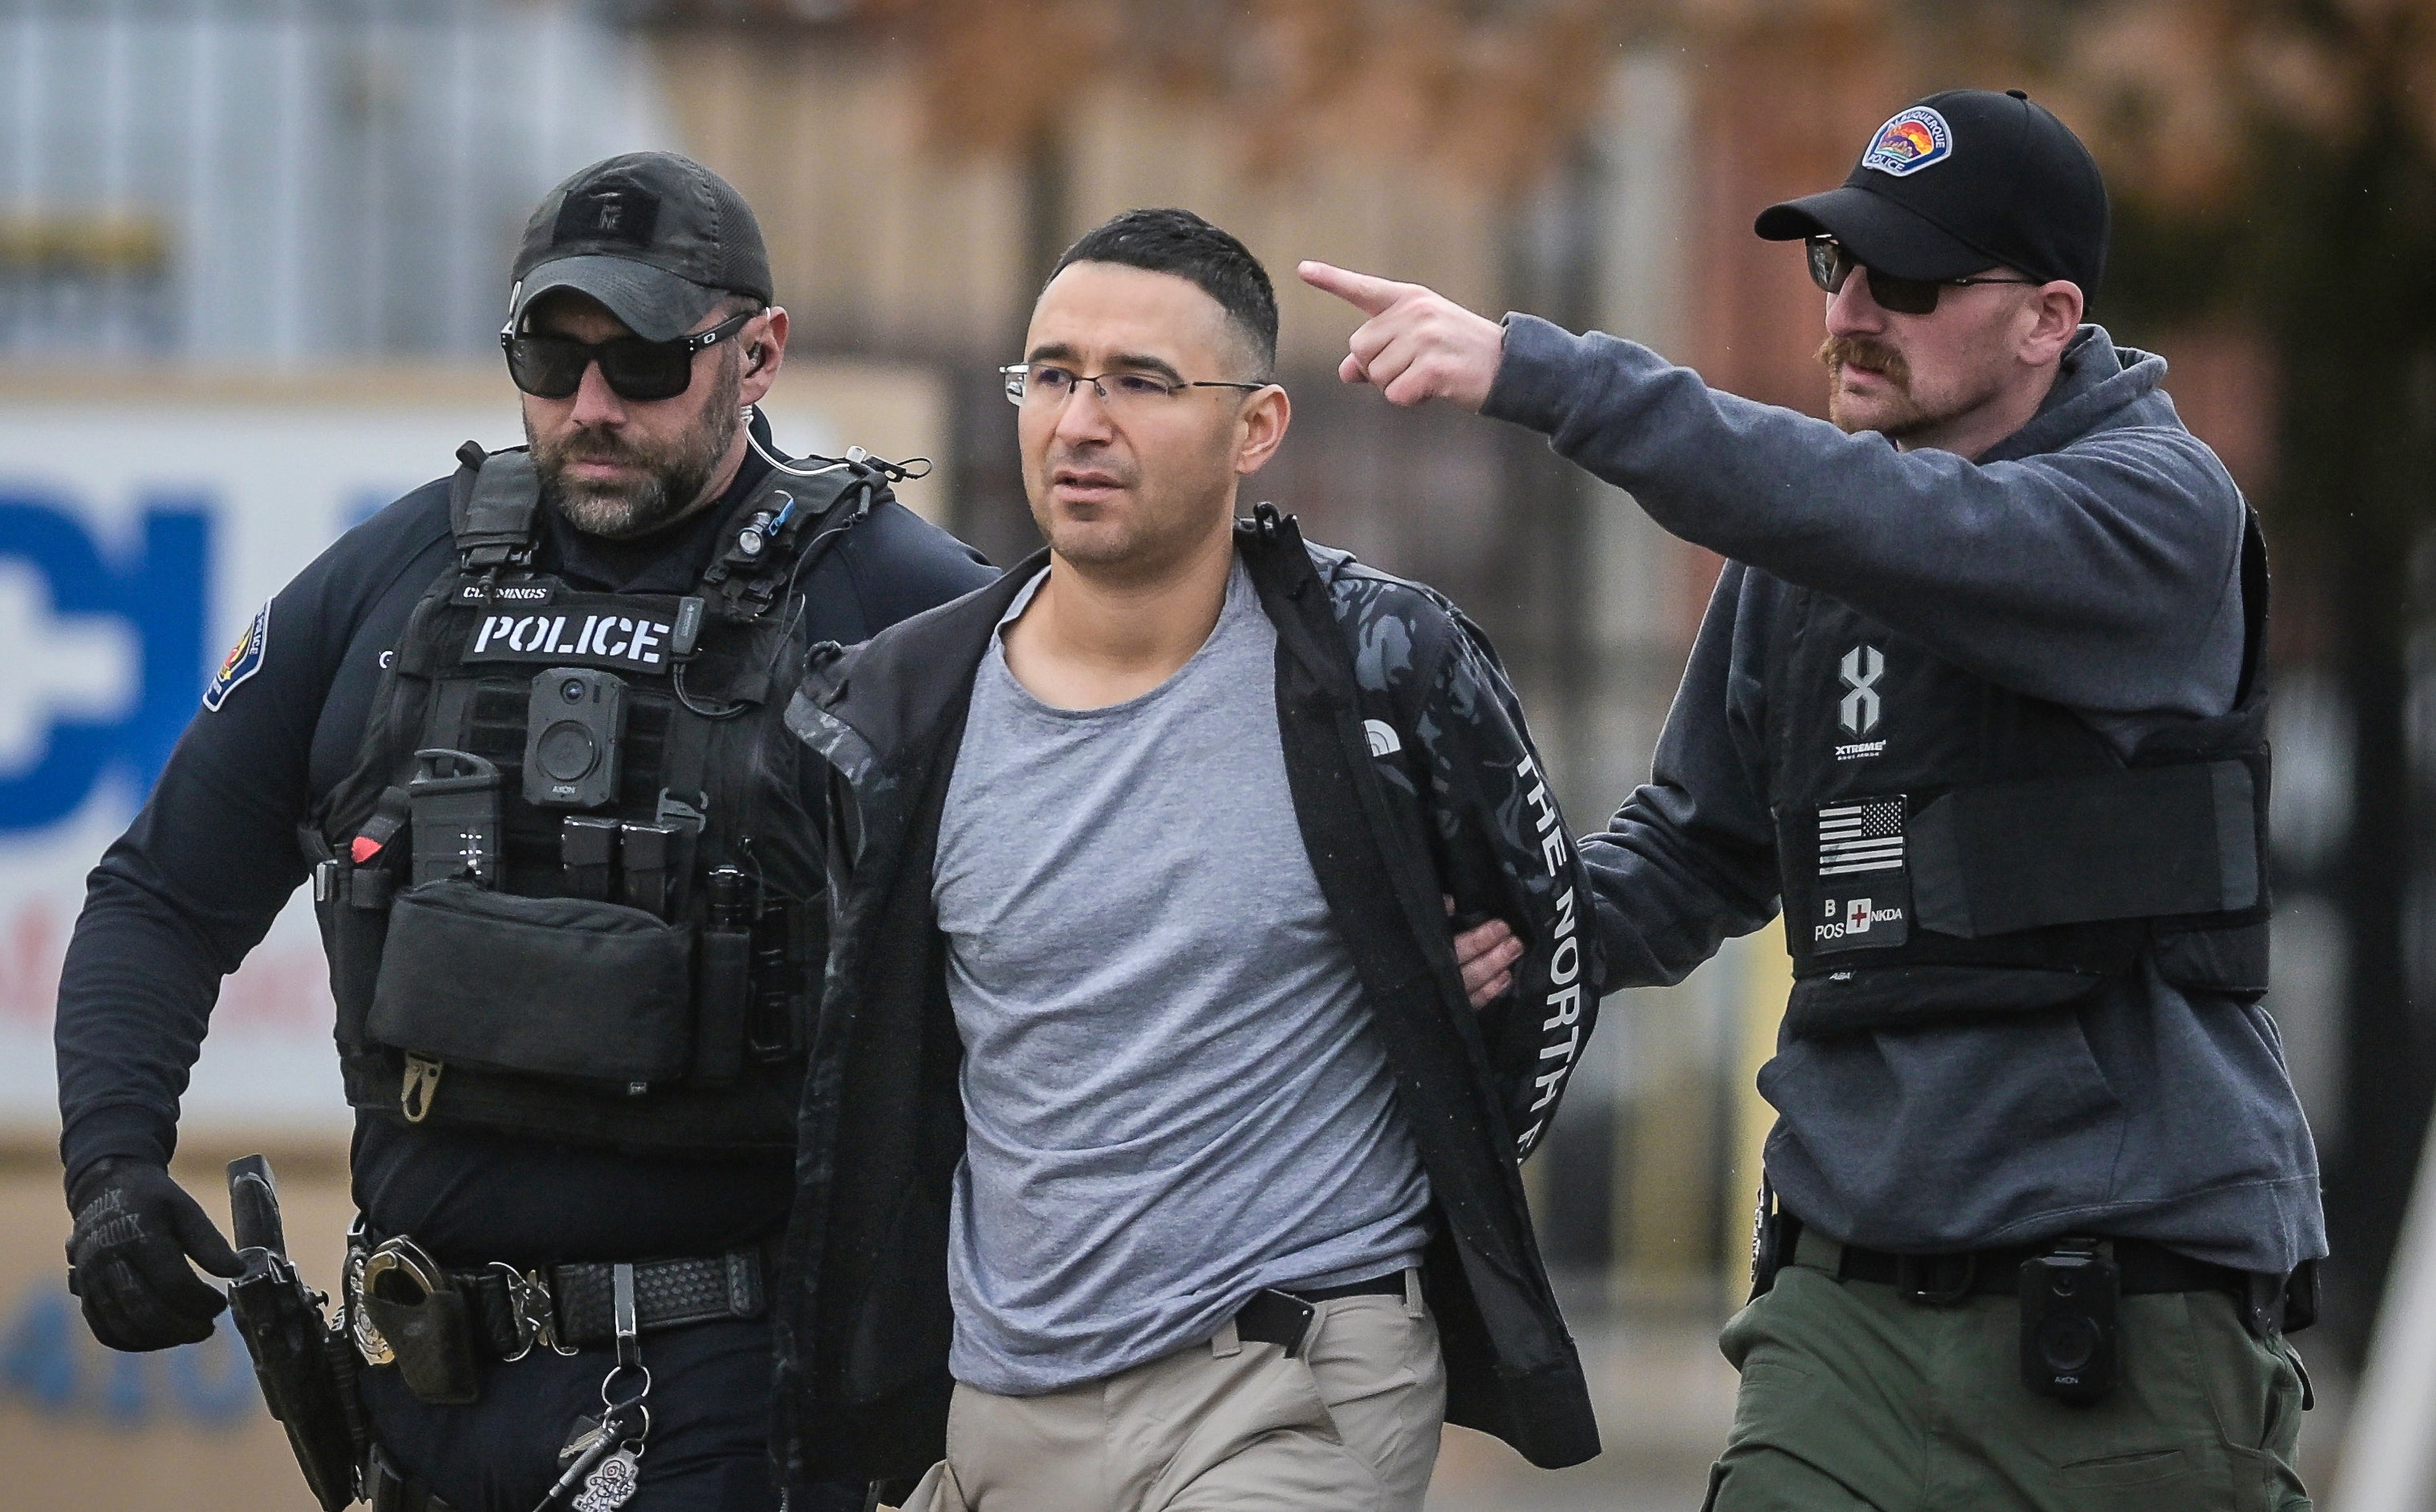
[[2270, 1304], [565, 1308]]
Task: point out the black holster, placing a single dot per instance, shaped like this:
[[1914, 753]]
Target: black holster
[[306, 1368], [2283, 1304], [1774, 1232]]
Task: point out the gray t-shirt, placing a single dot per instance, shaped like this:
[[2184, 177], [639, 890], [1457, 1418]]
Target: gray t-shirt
[[1174, 1093]]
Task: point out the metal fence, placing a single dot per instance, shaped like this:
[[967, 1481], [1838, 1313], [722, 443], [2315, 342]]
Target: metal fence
[[286, 181]]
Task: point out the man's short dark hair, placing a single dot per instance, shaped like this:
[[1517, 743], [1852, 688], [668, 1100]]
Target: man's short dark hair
[[1182, 243]]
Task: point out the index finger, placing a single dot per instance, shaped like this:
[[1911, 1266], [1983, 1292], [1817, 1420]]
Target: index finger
[[1365, 292]]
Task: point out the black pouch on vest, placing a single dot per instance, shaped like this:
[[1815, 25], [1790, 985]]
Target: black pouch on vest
[[432, 1336], [726, 982], [551, 986], [726, 985], [352, 936], [352, 888]]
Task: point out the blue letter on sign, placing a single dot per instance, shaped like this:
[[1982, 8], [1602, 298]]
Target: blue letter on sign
[[158, 591]]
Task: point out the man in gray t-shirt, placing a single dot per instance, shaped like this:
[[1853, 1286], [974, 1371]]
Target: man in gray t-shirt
[[1171, 1090], [1162, 1135], [1185, 1239]]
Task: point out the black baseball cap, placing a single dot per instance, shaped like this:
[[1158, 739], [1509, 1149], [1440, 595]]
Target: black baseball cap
[[656, 237], [1959, 183]]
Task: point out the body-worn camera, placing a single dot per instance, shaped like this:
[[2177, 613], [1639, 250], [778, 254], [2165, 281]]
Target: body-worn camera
[[2070, 1310], [573, 727]]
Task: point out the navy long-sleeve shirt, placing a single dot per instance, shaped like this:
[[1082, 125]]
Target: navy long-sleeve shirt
[[2093, 560], [179, 900]]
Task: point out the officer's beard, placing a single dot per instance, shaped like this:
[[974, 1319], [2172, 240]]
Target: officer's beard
[[670, 480]]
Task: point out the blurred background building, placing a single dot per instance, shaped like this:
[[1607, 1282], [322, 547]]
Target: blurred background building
[[252, 265]]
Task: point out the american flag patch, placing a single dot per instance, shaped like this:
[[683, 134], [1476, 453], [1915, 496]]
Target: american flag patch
[[1861, 837]]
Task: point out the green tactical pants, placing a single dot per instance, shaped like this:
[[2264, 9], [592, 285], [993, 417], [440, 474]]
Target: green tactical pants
[[1855, 1398]]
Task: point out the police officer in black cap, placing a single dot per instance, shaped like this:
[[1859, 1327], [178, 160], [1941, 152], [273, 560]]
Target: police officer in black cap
[[1978, 705], [524, 721]]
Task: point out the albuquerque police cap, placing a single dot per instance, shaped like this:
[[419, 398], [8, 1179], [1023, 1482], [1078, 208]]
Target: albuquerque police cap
[[1959, 183], [656, 237]]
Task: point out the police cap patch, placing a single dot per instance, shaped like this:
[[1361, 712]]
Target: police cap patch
[[1916, 139]]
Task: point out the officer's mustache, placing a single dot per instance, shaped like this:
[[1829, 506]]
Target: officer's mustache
[[599, 447], [1870, 357]]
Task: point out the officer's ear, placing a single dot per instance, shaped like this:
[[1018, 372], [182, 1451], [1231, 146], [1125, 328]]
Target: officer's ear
[[2054, 310], [764, 354]]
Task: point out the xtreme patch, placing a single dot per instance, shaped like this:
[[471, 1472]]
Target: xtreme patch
[[243, 660]]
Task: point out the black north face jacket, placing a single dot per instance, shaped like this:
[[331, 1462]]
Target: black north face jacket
[[1412, 776]]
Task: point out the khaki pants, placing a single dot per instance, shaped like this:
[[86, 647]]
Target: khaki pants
[[1856, 1401], [1351, 1425]]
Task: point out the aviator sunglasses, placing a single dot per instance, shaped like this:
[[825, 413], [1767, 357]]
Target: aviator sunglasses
[[1831, 264], [552, 367]]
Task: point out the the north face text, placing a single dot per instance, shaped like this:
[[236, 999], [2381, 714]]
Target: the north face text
[[1562, 1028]]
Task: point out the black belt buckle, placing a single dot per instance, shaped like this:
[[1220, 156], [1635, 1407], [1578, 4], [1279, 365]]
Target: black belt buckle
[[1936, 1281]]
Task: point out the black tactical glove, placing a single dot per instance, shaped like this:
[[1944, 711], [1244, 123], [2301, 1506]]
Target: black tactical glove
[[134, 1229]]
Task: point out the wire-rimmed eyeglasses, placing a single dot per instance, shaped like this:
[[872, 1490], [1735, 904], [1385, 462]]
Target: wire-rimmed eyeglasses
[[1052, 384]]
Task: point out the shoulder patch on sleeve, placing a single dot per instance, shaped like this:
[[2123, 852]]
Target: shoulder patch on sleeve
[[243, 660]]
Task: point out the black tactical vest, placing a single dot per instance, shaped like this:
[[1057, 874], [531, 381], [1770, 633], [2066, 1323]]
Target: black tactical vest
[[569, 890], [1950, 848]]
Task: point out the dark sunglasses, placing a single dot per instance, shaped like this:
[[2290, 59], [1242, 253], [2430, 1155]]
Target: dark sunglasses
[[1830, 265], [552, 367]]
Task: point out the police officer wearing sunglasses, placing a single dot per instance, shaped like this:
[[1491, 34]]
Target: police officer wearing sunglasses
[[525, 723], [1979, 708]]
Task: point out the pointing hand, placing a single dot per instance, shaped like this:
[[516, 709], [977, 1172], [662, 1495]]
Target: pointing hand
[[1417, 344]]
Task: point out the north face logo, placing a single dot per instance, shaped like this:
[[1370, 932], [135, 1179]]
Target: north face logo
[[1863, 667]]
